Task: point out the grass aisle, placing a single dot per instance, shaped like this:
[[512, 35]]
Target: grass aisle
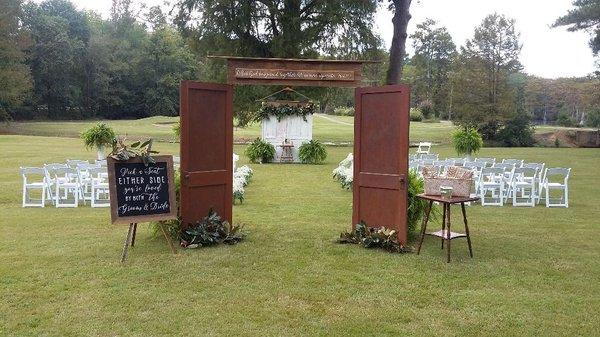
[[535, 271]]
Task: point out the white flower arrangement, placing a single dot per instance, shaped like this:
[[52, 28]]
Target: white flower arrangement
[[241, 179], [344, 173]]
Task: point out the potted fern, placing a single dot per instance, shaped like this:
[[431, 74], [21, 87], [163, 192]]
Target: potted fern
[[312, 152], [98, 136], [467, 141]]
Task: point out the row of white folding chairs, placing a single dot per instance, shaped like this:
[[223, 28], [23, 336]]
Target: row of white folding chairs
[[64, 185], [524, 185], [495, 185]]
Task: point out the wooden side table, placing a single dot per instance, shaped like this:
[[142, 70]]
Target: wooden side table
[[446, 234], [286, 153]]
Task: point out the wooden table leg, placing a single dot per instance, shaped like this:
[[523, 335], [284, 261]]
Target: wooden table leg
[[464, 213], [126, 244], [424, 225], [133, 235], [448, 232], [443, 222]]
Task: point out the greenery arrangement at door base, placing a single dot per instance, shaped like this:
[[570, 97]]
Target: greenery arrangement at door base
[[374, 237], [211, 230], [285, 110], [467, 141], [98, 136], [260, 151], [312, 152]]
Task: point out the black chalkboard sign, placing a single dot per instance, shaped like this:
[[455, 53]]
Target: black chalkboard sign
[[139, 192]]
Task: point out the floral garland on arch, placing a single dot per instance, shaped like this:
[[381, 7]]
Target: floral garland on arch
[[285, 110]]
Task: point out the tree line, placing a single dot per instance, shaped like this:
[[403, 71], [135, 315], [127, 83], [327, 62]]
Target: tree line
[[62, 63]]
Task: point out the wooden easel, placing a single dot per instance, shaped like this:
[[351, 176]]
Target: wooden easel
[[130, 239]]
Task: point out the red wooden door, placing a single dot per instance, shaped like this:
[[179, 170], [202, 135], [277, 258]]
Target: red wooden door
[[206, 150], [381, 125]]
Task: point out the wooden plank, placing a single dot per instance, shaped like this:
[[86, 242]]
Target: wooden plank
[[287, 74], [294, 72]]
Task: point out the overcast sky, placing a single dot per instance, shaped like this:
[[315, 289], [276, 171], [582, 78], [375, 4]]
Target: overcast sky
[[547, 52]]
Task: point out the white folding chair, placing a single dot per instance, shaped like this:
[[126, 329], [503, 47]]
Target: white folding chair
[[515, 162], [489, 162], [557, 178], [540, 178], [235, 160], [457, 161], [75, 162], [424, 148], [65, 182], [443, 165], [476, 168], [51, 179], [177, 162], [29, 184], [491, 181], [523, 186], [100, 195], [429, 156], [509, 170], [85, 180], [101, 162]]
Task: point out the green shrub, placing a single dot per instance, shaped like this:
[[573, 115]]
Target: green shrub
[[466, 141], [592, 119], [312, 152], [416, 115], [260, 151], [564, 119], [416, 206], [98, 136], [177, 129], [244, 117], [427, 110], [517, 132], [344, 111]]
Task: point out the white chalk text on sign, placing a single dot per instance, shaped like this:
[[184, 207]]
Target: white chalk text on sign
[[290, 74], [142, 192]]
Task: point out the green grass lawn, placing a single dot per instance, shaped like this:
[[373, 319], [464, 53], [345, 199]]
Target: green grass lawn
[[338, 129], [535, 270]]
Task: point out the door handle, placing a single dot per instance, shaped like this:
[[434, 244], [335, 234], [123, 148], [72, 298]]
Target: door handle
[[402, 180]]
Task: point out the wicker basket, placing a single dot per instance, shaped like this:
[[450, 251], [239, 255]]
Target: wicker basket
[[460, 187]]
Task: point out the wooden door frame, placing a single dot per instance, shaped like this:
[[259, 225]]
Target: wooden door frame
[[228, 214]]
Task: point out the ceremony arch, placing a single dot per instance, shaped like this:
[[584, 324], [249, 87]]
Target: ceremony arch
[[381, 127]]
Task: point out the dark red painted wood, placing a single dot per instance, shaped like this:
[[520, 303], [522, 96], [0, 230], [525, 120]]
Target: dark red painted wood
[[381, 125], [206, 150]]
